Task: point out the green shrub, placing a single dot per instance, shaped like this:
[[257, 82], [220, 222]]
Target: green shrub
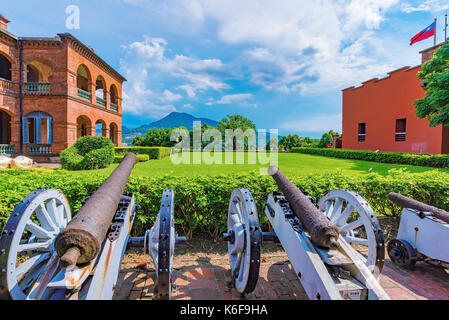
[[152, 152], [70, 159], [97, 159], [416, 159], [201, 202], [140, 158], [88, 153], [88, 143]]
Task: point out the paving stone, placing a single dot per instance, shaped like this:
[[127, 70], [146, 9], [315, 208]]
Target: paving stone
[[279, 281]]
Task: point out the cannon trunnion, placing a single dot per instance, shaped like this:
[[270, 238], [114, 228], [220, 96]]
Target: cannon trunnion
[[317, 239]]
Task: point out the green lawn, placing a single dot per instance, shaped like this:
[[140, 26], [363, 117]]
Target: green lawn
[[291, 164]]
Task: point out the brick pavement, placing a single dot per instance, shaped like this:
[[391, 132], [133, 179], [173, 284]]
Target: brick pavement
[[277, 281]]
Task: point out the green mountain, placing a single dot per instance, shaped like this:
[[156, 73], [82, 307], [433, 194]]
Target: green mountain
[[173, 120]]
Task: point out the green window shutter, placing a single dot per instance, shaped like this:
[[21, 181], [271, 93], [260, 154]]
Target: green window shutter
[[38, 129], [50, 131], [25, 129]]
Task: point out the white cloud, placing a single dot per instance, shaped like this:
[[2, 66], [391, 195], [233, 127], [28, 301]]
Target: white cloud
[[146, 64], [315, 124], [188, 106], [427, 5], [170, 96], [240, 99], [306, 46]]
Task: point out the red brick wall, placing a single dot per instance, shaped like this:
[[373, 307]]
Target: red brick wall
[[378, 103], [63, 104]]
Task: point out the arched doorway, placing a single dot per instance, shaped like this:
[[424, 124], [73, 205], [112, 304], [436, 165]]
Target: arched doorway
[[5, 68], [100, 91], [83, 82], [83, 127], [114, 97], [5, 128], [113, 133], [101, 128]]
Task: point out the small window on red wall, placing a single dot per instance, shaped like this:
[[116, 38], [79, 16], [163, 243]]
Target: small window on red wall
[[401, 127], [362, 132]]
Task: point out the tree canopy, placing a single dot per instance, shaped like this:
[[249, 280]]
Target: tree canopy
[[327, 138], [435, 76], [235, 122]]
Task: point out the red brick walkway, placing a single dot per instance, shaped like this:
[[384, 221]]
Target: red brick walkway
[[278, 281]]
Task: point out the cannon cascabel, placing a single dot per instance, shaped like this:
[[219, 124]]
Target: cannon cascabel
[[81, 240]]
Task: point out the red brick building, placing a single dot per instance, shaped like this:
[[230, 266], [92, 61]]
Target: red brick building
[[380, 115], [53, 91]]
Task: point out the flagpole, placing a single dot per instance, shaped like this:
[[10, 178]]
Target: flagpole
[[445, 27], [435, 34]]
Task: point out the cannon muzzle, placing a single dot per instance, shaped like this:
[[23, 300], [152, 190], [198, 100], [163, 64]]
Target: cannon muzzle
[[409, 203], [81, 240], [322, 231]]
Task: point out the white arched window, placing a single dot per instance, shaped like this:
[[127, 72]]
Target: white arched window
[[37, 128]]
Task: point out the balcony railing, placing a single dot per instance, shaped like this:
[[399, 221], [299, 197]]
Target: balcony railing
[[39, 149], [6, 85], [101, 102], [400, 136], [34, 88], [6, 149], [114, 107], [83, 94]]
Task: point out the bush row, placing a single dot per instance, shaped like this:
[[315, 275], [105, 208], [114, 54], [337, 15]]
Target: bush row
[[152, 152], [140, 157], [416, 159], [201, 202]]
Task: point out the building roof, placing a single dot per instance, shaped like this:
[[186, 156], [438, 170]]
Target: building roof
[[90, 50], [432, 48], [59, 38]]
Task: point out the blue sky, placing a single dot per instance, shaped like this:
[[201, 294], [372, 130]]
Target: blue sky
[[280, 63]]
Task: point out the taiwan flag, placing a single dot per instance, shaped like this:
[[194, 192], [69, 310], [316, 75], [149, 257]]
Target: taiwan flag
[[425, 34]]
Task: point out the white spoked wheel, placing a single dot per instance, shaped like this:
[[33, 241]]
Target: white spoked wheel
[[357, 223], [244, 240], [27, 243]]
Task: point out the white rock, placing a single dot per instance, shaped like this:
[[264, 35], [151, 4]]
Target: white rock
[[23, 162]]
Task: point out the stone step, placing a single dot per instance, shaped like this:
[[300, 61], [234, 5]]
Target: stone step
[[55, 159]]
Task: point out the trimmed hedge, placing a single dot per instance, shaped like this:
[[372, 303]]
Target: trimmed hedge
[[140, 158], [415, 159], [88, 153], [152, 152], [201, 202]]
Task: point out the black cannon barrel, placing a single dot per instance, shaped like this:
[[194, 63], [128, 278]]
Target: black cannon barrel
[[323, 232], [409, 203], [81, 240]]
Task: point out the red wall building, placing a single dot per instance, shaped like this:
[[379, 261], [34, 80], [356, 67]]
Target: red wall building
[[53, 91], [380, 115]]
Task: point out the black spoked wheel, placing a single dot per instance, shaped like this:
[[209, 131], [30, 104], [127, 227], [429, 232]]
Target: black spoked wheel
[[166, 246], [401, 253]]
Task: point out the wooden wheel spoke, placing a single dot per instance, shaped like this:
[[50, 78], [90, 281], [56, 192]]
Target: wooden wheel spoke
[[329, 207], [351, 226], [34, 246], [340, 219], [44, 218], [30, 264], [357, 240], [338, 205], [39, 232], [53, 211]]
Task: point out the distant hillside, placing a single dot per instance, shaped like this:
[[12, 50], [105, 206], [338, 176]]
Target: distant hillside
[[173, 120]]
